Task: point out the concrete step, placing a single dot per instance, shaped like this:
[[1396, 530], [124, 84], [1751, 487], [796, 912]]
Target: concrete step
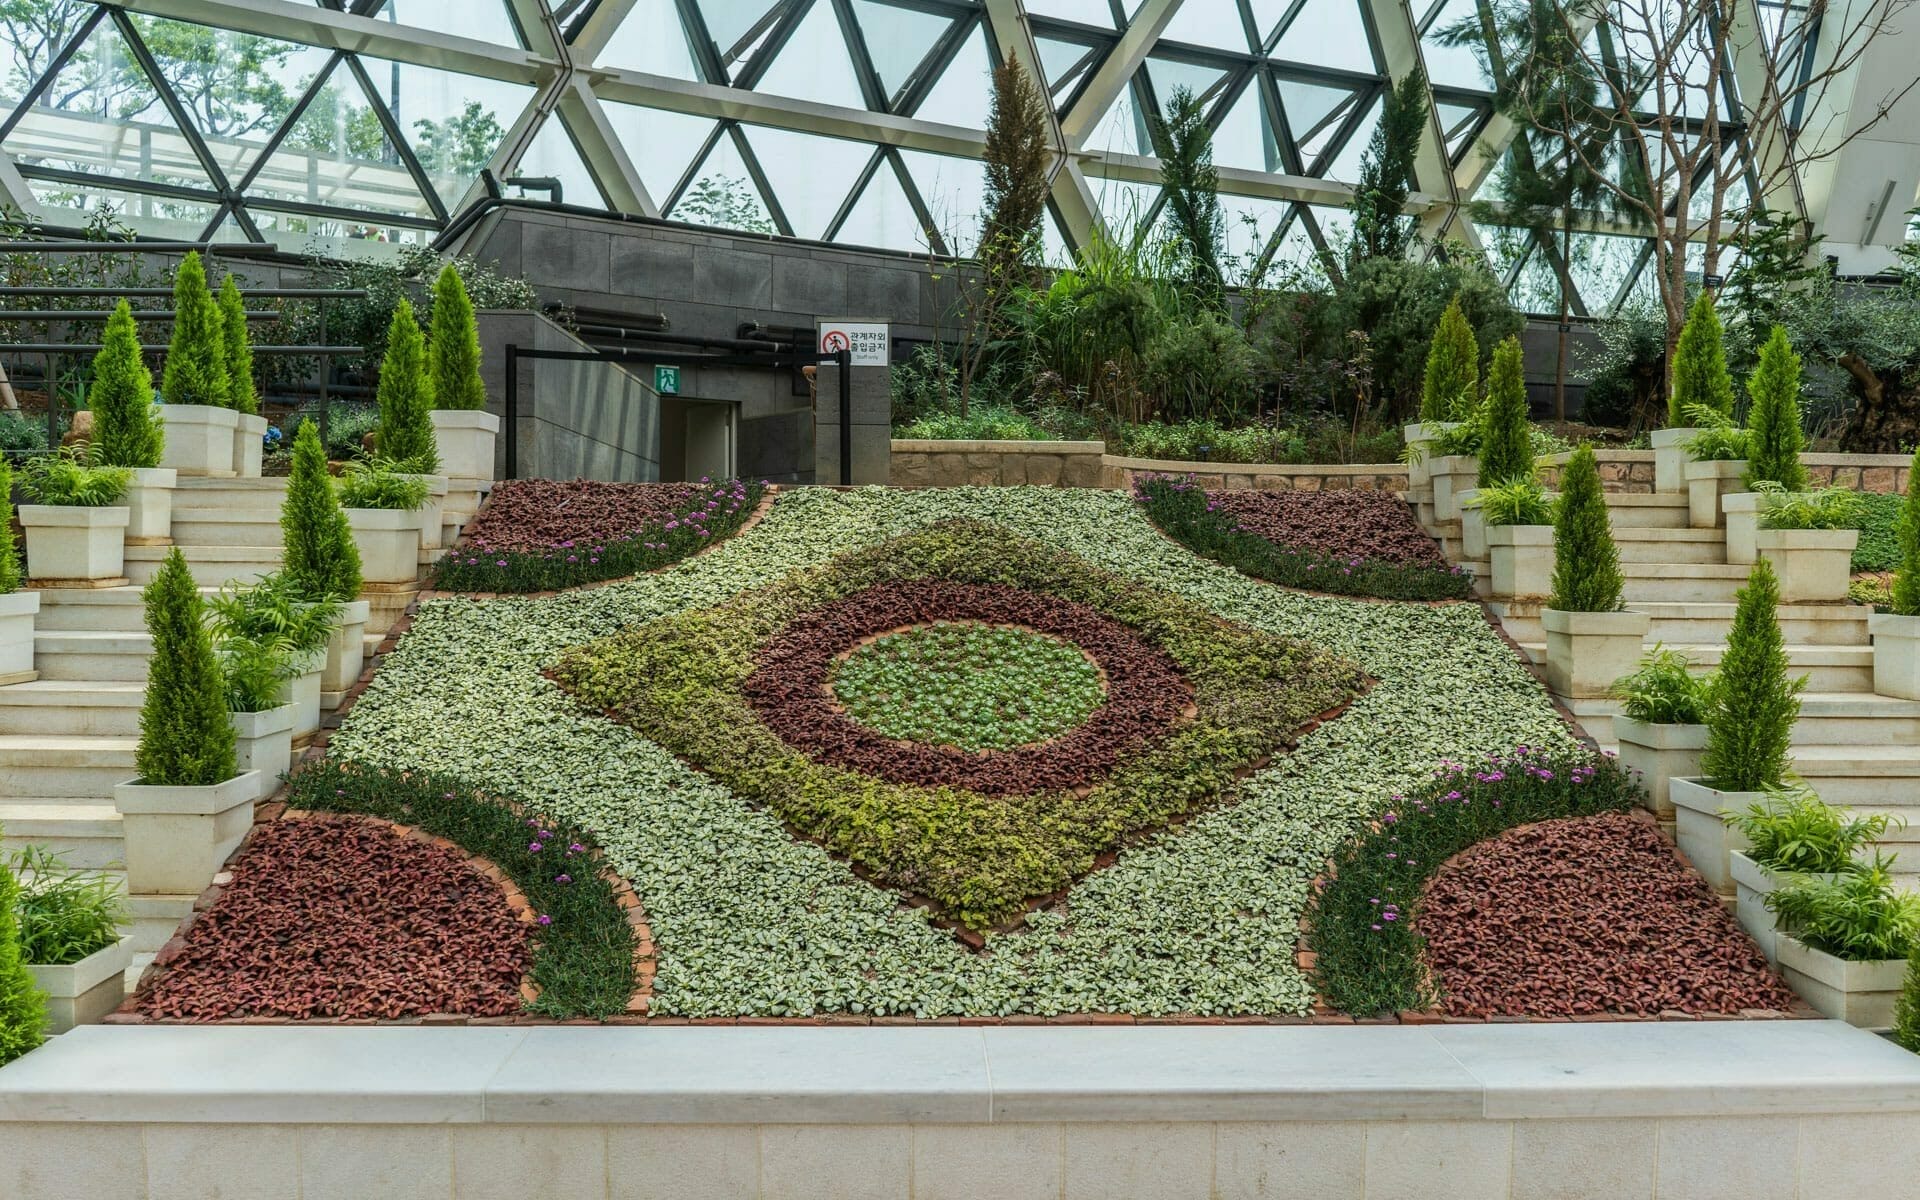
[[227, 527], [212, 566], [1869, 778], [1828, 668], [95, 610], [52, 765], [84, 835], [1802, 624], [1857, 719], [72, 708], [155, 917], [1646, 511], [112, 656], [1695, 582], [240, 495], [1671, 546]]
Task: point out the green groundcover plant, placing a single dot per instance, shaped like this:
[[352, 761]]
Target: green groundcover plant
[[1364, 926], [1792, 829], [1879, 545]]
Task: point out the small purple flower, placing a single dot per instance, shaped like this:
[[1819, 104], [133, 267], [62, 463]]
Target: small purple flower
[[576, 848], [543, 920], [563, 879], [535, 847]]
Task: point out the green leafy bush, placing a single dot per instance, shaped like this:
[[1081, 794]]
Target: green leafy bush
[[62, 479], [453, 349], [1872, 591], [254, 672], [1906, 583], [1906, 1011], [22, 434], [126, 430], [1773, 416], [9, 554], [1399, 303], [265, 635], [1718, 439], [196, 366], [23, 1013], [380, 484], [1515, 502], [1700, 374], [1202, 367], [1450, 386], [1506, 449], [1586, 564], [241, 393], [65, 914], [1858, 916], [1792, 829], [186, 738], [405, 434], [1828, 508], [991, 423], [1879, 545], [1755, 703], [320, 560], [1664, 691]]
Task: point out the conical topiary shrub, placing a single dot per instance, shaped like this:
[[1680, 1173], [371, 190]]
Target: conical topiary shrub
[[1774, 438], [126, 432], [196, 367], [321, 561], [1906, 1010], [9, 556], [405, 432], [23, 1013], [1906, 581], [1700, 374], [1754, 702], [453, 349], [239, 349], [186, 736], [1506, 447], [1586, 564], [1452, 383]]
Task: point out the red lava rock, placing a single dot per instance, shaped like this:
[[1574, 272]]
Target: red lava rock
[[534, 515], [332, 919], [1375, 525], [1589, 915]]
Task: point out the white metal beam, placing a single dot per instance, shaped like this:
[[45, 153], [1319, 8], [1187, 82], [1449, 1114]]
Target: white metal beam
[[594, 35], [1072, 198], [601, 150], [1115, 71]]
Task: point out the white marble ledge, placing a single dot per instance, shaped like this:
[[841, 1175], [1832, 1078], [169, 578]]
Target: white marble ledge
[[694, 1075]]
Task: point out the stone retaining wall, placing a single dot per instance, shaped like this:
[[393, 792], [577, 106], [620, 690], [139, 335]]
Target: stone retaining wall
[[1632, 470], [921, 463]]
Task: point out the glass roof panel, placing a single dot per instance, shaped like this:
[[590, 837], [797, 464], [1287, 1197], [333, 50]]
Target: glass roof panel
[[453, 123], [1328, 33], [1243, 138], [1064, 64], [337, 154], [883, 216], [814, 64], [153, 216], [722, 194], [809, 175], [1122, 130], [1313, 112], [660, 144], [487, 20], [1600, 266], [898, 38], [964, 91], [30, 35], [1084, 12], [1346, 162], [1168, 74], [954, 192], [1214, 23], [651, 38], [552, 152], [1460, 65]]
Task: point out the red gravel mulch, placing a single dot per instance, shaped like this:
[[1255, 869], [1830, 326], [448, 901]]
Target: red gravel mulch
[[1589, 915], [1374, 525], [346, 919], [534, 515]]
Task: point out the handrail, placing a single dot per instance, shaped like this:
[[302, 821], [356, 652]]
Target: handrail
[[257, 293], [101, 314], [90, 246]]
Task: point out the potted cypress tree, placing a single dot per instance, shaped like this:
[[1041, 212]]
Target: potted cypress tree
[[1774, 442], [1591, 641], [1700, 377], [17, 608], [250, 428], [1809, 537], [76, 529], [320, 561], [1896, 634], [1448, 390], [23, 1012], [199, 414], [1661, 726], [404, 437], [126, 429], [190, 804], [463, 429], [1749, 729], [1506, 447]]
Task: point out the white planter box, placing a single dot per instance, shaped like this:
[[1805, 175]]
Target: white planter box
[[1752, 884], [303, 693], [429, 513], [465, 440], [389, 543], [1814, 565], [1742, 512], [263, 744], [1860, 993], [346, 649], [17, 610], [1702, 832], [199, 439], [150, 505], [1707, 482], [177, 837], [83, 992], [1587, 651], [1896, 655], [1473, 527], [1452, 474], [1670, 458], [72, 543], [247, 444], [1660, 753], [1520, 560]]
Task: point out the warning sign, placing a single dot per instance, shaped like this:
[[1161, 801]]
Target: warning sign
[[865, 340]]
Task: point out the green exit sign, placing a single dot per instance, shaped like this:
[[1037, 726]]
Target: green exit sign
[[666, 380]]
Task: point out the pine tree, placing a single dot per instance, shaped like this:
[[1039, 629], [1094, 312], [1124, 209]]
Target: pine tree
[[126, 431], [1506, 448], [1586, 564], [453, 349], [196, 367], [233, 326], [186, 736], [322, 563], [1184, 143], [1380, 228], [1700, 374], [9, 557], [1750, 721], [405, 432], [1016, 156], [1906, 581], [1906, 1010], [1452, 382], [23, 1013], [1773, 417]]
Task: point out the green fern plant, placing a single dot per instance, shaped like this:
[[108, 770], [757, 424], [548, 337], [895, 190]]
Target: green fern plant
[[1515, 502], [64, 480], [1792, 829], [1828, 508], [1717, 438], [1663, 690], [1858, 916]]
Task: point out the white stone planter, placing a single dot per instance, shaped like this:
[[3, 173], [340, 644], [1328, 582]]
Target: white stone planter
[[465, 438], [263, 744], [199, 439], [1520, 560], [1707, 482], [247, 444], [1896, 655], [71, 543], [1452, 474], [1660, 753], [1670, 458], [1742, 513], [1587, 651], [1473, 526], [1814, 565], [150, 505], [1860, 993], [83, 992], [389, 543], [302, 692], [17, 610], [346, 652], [1701, 831], [429, 513], [1752, 884], [177, 837]]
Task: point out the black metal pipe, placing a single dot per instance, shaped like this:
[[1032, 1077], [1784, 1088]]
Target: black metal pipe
[[250, 293], [101, 314], [622, 332], [88, 246], [95, 348], [513, 411], [547, 183], [737, 345], [844, 358]]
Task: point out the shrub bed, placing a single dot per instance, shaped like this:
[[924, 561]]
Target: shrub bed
[[1879, 546], [1376, 559]]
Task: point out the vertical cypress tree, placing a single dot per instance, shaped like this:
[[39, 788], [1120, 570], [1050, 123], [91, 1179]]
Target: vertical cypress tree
[[454, 346], [1452, 381], [1750, 722], [1906, 1011], [1700, 374], [321, 561], [126, 432], [1773, 417], [405, 431], [23, 1013], [239, 350], [186, 737], [196, 367], [1015, 196], [1906, 581], [1506, 448], [9, 557], [1586, 564]]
